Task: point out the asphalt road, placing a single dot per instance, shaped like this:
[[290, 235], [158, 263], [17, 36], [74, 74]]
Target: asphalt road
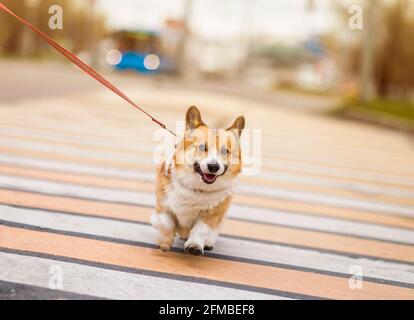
[[25, 80], [330, 214]]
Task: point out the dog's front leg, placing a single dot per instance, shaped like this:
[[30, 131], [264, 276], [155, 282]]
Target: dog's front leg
[[165, 224], [201, 236]]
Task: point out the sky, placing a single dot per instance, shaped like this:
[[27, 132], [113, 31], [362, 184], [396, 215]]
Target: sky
[[283, 20]]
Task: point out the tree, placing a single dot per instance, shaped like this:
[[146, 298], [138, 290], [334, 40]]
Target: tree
[[77, 19], [395, 58]]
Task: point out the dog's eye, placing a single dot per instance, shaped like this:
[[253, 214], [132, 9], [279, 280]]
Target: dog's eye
[[202, 147], [224, 151]]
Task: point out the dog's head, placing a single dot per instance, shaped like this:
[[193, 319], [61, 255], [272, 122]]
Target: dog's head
[[208, 159]]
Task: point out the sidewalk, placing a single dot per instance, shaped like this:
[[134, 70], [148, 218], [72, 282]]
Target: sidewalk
[[333, 201]]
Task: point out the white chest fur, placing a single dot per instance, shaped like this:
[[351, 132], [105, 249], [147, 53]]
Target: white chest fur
[[187, 203]]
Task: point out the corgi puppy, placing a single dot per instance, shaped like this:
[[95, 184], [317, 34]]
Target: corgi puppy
[[194, 186]]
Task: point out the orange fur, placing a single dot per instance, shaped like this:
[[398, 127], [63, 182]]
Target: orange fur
[[179, 183]]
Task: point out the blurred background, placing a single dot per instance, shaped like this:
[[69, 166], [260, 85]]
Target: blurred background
[[300, 55], [327, 187]]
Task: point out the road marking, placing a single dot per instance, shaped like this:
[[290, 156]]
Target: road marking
[[227, 248], [117, 178], [112, 284], [341, 202], [278, 217], [285, 165], [268, 178], [267, 233], [22, 291], [125, 255]]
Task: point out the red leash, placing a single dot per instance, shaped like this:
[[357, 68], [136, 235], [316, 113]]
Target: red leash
[[75, 60]]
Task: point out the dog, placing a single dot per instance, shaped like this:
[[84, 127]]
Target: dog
[[194, 185]]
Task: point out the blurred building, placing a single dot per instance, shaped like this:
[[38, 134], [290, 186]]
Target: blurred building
[[216, 58]]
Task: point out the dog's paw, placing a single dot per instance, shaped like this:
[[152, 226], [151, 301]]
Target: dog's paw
[[193, 248], [183, 233], [208, 247], [164, 247]]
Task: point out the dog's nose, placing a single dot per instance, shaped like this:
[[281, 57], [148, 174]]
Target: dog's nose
[[213, 167]]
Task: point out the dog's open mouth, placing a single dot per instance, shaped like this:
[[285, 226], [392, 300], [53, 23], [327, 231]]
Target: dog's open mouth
[[208, 178]]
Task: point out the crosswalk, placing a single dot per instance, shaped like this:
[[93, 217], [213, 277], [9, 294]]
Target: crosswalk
[[76, 195]]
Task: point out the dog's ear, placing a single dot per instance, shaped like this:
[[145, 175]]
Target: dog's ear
[[193, 118], [238, 125]]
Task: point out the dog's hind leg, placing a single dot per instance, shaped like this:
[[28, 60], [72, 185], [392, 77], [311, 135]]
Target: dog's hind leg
[[165, 224], [163, 219]]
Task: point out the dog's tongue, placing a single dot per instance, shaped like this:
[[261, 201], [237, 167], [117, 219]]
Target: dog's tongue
[[209, 178]]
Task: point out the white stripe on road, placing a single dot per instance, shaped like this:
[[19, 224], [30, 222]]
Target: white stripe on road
[[70, 151], [111, 284], [341, 202], [336, 226], [337, 201], [77, 168], [79, 139], [128, 157], [271, 161], [246, 249], [351, 186], [262, 215], [72, 190]]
